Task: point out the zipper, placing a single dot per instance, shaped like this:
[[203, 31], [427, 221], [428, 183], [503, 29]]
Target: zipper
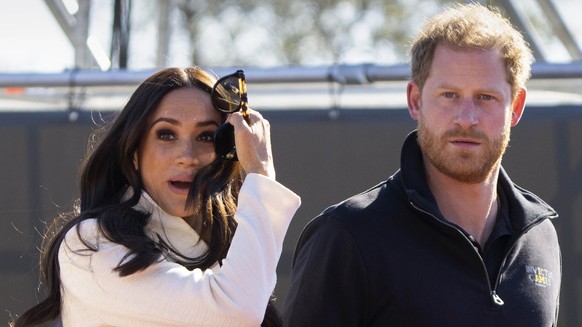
[[495, 298], [523, 231], [497, 301]]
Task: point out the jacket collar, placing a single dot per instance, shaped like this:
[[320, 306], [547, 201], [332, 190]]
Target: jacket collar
[[525, 208]]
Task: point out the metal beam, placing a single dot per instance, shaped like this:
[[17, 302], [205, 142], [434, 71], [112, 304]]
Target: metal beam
[[120, 34], [164, 32], [359, 74], [65, 20], [519, 18], [560, 29], [76, 28]]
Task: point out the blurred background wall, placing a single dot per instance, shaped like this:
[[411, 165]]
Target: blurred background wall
[[334, 135], [323, 159]]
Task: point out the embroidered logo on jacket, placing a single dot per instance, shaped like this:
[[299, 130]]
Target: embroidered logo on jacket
[[540, 276]]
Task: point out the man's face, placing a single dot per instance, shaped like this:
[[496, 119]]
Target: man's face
[[464, 113]]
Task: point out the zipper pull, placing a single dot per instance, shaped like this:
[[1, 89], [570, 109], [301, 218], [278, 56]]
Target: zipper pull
[[496, 299]]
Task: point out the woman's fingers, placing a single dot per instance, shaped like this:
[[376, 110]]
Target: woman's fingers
[[253, 142]]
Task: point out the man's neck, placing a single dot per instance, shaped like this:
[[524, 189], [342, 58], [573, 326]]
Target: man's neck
[[472, 206]]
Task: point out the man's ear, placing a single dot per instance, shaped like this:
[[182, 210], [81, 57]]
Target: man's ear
[[413, 98], [518, 106]]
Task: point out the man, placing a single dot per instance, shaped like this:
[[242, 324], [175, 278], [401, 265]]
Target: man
[[448, 240]]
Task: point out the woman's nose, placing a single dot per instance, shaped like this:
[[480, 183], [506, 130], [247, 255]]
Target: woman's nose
[[187, 154]]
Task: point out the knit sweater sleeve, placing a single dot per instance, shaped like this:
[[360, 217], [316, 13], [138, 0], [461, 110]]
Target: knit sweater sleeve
[[166, 293]]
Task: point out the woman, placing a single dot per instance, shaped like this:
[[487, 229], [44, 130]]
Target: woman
[[154, 241]]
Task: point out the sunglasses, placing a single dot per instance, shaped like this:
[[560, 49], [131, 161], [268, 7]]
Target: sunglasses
[[229, 95]]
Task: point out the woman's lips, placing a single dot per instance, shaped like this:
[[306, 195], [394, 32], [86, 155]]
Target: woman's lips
[[180, 187]]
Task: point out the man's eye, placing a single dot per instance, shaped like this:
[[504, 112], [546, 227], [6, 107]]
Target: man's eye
[[486, 97], [449, 95]]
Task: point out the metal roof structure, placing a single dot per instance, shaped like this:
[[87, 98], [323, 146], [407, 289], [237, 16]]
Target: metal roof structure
[[346, 86], [285, 87], [76, 28]]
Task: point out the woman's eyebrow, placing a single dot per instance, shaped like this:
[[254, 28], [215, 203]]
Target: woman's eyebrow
[[178, 123], [207, 123], [167, 120]]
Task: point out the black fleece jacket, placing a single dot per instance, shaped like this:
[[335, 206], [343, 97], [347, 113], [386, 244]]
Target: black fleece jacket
[[387, 257]]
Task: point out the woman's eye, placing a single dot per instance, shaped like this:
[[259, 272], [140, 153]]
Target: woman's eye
[[448, 95], [486, 97], [165, 135], [206, 137]]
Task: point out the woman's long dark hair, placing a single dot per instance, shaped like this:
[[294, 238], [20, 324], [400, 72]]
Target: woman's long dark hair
[[107, 174]]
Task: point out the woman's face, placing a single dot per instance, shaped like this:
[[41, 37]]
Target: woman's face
[[178, 142]]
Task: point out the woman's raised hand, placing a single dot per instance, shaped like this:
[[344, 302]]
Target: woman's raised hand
[[253, 142]]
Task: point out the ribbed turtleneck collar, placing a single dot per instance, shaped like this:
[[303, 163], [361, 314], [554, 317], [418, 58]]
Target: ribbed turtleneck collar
[[173, 230]]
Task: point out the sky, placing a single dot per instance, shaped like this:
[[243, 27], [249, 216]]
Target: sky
[[34, 42]]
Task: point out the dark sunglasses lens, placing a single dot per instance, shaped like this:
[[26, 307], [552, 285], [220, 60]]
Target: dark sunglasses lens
[[224, 142], [227, 95]]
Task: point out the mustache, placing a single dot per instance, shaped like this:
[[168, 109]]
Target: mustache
[[466, 133]]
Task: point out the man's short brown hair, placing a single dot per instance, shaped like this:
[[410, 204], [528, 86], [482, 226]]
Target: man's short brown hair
[[472, 26]]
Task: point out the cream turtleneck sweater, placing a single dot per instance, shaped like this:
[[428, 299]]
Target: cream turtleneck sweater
[[166, 293]]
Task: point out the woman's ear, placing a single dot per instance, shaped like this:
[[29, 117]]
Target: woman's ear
[[135, 161], [518, 106]]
